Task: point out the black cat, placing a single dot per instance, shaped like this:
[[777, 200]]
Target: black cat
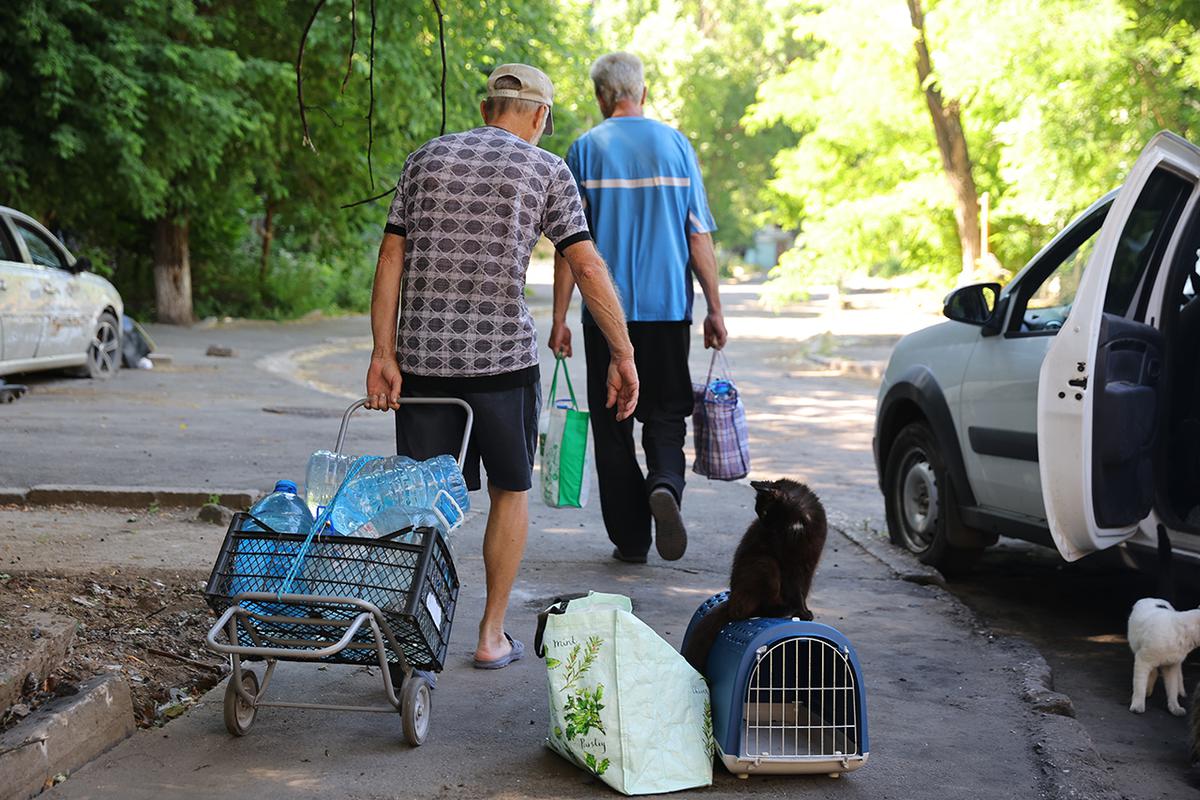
[[773, 566]]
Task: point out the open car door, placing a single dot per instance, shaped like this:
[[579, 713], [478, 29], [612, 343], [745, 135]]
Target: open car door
[[1098, 391]]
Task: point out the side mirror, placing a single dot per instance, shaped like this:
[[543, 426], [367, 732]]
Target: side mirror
[[83, 264], [972, 304]]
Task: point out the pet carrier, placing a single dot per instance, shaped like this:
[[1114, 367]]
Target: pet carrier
[[787, 697], [386, 601]]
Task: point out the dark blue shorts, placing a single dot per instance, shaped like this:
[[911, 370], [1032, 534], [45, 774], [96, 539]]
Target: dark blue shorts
[[504, 436]]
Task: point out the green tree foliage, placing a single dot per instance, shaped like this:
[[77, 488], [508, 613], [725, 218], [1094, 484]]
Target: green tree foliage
[[121, 114], [128, 119], [1057, 98], [126, 113]]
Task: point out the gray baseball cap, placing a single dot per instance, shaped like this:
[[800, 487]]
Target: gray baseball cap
[[534, 86]]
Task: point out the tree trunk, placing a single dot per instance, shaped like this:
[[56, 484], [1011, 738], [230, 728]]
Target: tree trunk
[[952, 144], [268, 233], [172, 271]]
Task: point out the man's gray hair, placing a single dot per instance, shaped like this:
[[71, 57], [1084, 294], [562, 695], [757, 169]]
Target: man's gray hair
[[618, 76]]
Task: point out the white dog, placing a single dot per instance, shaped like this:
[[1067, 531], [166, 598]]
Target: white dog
[[1160, 638]]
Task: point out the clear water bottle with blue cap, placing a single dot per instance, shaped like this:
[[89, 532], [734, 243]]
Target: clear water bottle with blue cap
[[266, 561], [282, 510]]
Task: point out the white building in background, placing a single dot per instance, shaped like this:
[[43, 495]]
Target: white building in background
[[770, 242]]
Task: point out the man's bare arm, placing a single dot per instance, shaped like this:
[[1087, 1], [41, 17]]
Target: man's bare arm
[[564, 287], [704, 265], [595, 284], [383, 375]]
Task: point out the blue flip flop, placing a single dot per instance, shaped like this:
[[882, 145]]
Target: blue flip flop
[[518, 650]]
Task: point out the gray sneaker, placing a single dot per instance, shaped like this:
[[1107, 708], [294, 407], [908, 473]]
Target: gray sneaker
[[670, 536]]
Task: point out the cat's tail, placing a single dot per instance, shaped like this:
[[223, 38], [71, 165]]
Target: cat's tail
[[704, 634]]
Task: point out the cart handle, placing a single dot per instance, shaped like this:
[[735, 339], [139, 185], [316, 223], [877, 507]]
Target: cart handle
[[424, 401]]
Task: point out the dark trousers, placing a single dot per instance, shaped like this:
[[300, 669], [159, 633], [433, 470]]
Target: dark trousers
[[664, 403]]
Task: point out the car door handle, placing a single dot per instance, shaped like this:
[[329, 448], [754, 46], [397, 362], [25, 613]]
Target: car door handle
[[3, 285], [49, 288]]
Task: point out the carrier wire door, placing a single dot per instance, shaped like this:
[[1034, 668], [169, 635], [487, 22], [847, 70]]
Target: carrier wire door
[[801, 702]]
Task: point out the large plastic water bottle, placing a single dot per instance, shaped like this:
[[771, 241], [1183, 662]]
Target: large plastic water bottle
[[326, 471], [282, 510], [401, 482], [261, 563]]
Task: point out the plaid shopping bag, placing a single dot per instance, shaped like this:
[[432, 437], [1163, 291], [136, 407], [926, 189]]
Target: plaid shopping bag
[[719, 426]]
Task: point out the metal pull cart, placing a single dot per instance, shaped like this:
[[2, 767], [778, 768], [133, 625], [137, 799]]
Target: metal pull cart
[[354, 600]]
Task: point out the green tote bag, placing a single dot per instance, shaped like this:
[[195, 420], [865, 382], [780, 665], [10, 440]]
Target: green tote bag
[[624, 705], [566, 457]]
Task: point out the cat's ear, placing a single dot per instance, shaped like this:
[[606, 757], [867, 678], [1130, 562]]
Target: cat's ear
[[766, 495]]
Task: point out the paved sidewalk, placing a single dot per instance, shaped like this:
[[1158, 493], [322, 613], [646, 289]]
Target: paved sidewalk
[[947, 702], [946, 719]]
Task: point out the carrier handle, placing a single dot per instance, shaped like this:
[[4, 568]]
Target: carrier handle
[[423, 401]]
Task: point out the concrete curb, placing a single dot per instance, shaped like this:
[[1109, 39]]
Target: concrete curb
[[904, 564], [64, 735], [125, 496], [12, 497], [871, 370], [1071, 766], [55, 635]]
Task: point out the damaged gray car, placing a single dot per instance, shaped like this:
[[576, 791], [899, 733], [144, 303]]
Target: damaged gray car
[[54, 313]]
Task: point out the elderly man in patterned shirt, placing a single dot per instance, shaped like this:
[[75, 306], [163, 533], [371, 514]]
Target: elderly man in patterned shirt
[[468, 210]]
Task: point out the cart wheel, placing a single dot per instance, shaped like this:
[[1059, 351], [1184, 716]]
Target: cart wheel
[[239, 715], [415, 704]]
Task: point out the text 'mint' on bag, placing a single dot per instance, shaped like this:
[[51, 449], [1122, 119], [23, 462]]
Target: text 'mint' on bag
[[719, 426], [565, 453], [624, 705]]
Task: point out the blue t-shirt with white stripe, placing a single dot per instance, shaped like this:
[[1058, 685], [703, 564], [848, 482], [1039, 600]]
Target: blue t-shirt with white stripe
[[642, 195]]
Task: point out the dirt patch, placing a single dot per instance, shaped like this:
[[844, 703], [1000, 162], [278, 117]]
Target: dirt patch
[[146, 625]]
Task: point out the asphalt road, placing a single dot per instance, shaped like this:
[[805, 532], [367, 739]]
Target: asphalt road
[[947, 718], [1075, 614]]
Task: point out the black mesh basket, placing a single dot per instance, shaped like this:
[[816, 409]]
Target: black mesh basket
[[409, 576]]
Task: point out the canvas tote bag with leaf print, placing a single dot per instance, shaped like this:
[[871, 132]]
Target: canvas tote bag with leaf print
[[624, 705]]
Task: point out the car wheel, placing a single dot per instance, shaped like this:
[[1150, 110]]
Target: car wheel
[[920, 503], [104, 352]]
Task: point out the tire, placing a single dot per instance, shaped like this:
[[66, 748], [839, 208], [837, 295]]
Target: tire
[[104, 351], [239, 715], [920, 502], [416, 702]]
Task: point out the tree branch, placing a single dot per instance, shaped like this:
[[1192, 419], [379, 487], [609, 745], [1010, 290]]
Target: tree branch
[[307, 140], [442, 41], [437, 7], [371, 104], [353, 42]]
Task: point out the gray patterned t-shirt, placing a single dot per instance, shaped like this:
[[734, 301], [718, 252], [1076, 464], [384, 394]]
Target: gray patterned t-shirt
[[471, 206]]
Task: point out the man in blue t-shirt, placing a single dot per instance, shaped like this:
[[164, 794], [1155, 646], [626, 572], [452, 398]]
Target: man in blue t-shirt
[[645, 204]]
